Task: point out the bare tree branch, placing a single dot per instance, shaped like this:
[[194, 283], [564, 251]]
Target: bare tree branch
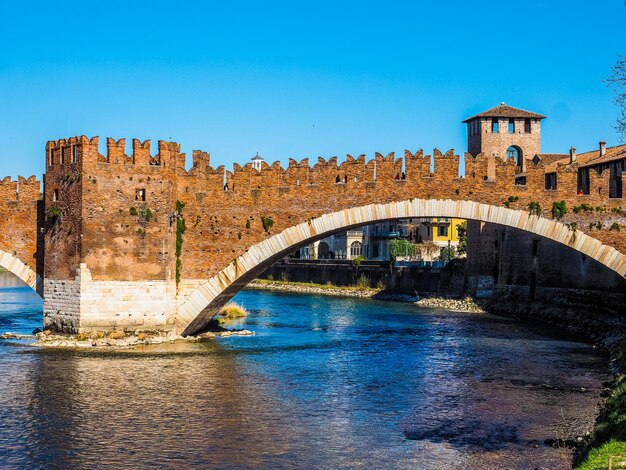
[[617, 81]]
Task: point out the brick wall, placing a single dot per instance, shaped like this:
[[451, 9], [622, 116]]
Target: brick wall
[[222, 225]]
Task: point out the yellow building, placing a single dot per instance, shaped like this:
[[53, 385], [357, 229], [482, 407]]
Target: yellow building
[[440, 230]]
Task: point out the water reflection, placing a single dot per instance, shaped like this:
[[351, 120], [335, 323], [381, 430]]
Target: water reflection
[[325, 383]]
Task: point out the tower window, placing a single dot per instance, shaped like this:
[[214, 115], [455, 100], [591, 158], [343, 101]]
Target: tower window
[[55, 195], [140, 195], [527, 126], [494, 126], [511, 126], [514, 153], [74, 154]]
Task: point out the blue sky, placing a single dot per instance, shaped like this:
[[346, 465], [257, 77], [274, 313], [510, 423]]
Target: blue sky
[[301, 79]]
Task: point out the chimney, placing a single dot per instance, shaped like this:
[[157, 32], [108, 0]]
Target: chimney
[[572, 154], [602, 148]]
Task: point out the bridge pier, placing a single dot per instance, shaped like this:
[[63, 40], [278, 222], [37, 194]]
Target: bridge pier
[[84, 305]]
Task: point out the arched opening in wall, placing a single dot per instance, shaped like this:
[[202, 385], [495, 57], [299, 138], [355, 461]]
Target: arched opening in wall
[[193, 317], [22, 307], [515, 153], [355, 249], [323, 251]]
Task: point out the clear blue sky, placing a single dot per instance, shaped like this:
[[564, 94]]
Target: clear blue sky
[[297, 79]]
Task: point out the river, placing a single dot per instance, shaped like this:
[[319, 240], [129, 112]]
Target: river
[[326, 382]]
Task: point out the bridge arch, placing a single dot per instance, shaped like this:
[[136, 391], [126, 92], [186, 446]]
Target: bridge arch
[[21, 270], [196, 310]]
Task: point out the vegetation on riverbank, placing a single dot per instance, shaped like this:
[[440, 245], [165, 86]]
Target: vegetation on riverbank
[[609, 435], [271, 282], [232, 311]]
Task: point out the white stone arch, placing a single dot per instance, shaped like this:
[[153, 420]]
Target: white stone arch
[[196, 310], [21, 270]]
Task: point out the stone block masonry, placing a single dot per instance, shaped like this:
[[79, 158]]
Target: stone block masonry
[[83, 304]]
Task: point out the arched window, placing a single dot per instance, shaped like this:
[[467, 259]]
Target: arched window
[[355, 249], [515, 153]]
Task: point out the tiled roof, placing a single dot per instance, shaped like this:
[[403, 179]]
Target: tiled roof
[[592, 158], [549, 158], [506, 112]]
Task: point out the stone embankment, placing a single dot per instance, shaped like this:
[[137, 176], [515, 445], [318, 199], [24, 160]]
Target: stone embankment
[[116, 339], [464, 305]]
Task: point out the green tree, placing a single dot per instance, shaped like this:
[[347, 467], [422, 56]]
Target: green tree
[[400, 247], [447, 253], [461, 230]]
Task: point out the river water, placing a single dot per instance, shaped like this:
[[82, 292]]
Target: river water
[[325, 383]]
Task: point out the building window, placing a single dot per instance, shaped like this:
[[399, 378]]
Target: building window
[[494, 125], [55, 195], [63, 152], [355, 249], [551, 181], [583, 181], [74, 154], [428, 230], [443, 230], [511, 126], [140, 195], [527, 126], [375, 250]]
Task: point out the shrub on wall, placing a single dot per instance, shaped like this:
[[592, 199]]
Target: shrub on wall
[[534, 208], [180, 230], [268, 223], [559, 209]]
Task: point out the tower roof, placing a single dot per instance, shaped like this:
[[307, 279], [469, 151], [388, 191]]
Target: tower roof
[[507, 112], [257, 157]]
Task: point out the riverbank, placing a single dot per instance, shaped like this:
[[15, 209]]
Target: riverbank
[[311, 288], [605, 329], [462, 305]]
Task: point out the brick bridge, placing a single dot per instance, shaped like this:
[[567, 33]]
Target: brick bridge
[[139, 242]]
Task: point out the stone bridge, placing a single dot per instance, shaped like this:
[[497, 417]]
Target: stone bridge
[[136, 241]]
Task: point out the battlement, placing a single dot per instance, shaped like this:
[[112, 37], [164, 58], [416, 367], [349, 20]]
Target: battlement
[[82, 150], [414, 169], [22, 189]]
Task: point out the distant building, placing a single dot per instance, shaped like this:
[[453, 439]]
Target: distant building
[[257, 162], [372, 241], [345, 245], [505, 132], [441, 231], [611, 158]]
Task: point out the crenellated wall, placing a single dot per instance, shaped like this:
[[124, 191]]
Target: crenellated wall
[[116, 214], [224, 209], [21, 243]]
